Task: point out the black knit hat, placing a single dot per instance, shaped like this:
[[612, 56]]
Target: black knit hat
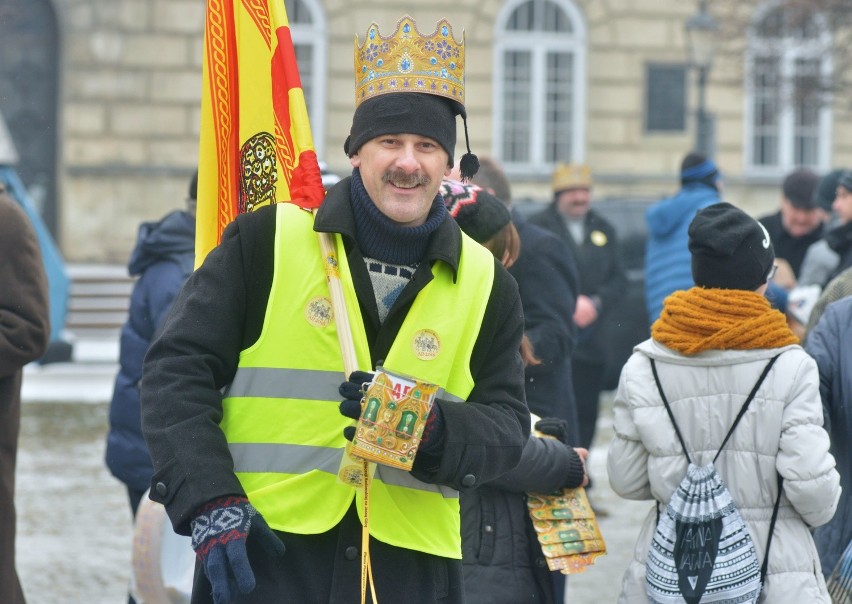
[[799, 187], [410, 113], [478, 213], [730, 249]]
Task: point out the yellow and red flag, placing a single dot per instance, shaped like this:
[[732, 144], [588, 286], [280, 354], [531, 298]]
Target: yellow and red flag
[[256, 146]]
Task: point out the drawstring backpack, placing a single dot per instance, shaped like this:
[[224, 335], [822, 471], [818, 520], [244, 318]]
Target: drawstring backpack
[[839, 583], [702, 551]]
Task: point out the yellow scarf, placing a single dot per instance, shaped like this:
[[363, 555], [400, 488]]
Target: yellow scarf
[[701, 319]]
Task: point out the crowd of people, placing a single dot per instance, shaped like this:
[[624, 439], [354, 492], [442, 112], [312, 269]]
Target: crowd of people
[[235, 402]]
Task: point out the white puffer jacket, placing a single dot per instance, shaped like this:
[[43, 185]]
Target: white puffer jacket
[[781, 432]]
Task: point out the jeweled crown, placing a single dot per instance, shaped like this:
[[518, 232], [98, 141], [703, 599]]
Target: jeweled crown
[[408, 61]]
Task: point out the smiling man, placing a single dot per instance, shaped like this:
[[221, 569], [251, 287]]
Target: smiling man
[[240, 392]]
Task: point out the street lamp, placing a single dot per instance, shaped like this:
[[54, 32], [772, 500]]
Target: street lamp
[[701, 40]]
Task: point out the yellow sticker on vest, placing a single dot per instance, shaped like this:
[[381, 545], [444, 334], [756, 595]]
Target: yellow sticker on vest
[[426, 344], [318, 311], [598, 238], [352, 475]]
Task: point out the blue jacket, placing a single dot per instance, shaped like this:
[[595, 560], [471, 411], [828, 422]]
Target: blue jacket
[[162, 259], [668, 263], [830, 344]]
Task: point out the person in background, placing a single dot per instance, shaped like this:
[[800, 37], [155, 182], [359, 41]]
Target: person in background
[[593, 243], [831, 257], [502, 559], [839, 239], [667, 259], [548, 283], [830, 344], [161, 260], [242, 389], [710, 345], [24, 335], [799, 221], [820, 260]]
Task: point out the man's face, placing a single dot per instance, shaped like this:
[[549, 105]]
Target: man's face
[[574, 203], [402, 173], [843, 205], [798, 222]]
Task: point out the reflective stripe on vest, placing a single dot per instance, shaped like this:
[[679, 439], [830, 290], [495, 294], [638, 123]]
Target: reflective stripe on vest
[[281, 416], [294, 383]]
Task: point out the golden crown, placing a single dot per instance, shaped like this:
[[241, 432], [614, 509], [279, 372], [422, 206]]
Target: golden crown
[[572, 176], [408, 61]]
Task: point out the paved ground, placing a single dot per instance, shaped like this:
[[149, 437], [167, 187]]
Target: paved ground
[[74, 529]]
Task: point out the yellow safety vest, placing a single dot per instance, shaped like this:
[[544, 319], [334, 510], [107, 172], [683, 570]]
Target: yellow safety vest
[[281, 416]]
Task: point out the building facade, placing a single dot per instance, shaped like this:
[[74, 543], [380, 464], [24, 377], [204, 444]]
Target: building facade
[[102, 97]]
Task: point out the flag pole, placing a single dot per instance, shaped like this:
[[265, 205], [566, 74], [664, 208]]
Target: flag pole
[[338, 302]]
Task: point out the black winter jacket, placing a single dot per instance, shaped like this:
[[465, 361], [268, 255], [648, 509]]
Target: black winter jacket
[[602, 273], [502, 558], [548, 282]]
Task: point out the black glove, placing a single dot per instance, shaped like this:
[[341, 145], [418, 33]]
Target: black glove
[[219, 534], [353, 392], [554, 426]]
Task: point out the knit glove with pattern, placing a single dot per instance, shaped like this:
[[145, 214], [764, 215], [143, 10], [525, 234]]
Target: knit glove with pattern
[[219, 533]]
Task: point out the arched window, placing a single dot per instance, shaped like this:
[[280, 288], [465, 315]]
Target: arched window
[[539, 85], [307, 26], [788, 112]]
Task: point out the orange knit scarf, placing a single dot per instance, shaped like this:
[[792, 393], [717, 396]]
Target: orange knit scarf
[[701, 319]]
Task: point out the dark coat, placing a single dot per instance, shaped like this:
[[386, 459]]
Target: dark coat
[[830, 343], [502, 558], [220, 312], [602, 274], [791, 249], [24, 334], [162, 259], [548, 283]]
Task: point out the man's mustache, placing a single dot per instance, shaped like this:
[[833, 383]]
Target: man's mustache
[[400, 178]]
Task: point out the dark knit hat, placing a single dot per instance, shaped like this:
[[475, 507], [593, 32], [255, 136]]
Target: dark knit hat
[[799, 187], [478, 213], [405, 112], [730, 249], [826, 190]]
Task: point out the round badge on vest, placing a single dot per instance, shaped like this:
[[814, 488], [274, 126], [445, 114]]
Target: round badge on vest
[[426, 345], [318, 311]]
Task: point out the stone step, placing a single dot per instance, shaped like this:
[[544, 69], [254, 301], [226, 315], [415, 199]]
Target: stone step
[[99, 300]]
